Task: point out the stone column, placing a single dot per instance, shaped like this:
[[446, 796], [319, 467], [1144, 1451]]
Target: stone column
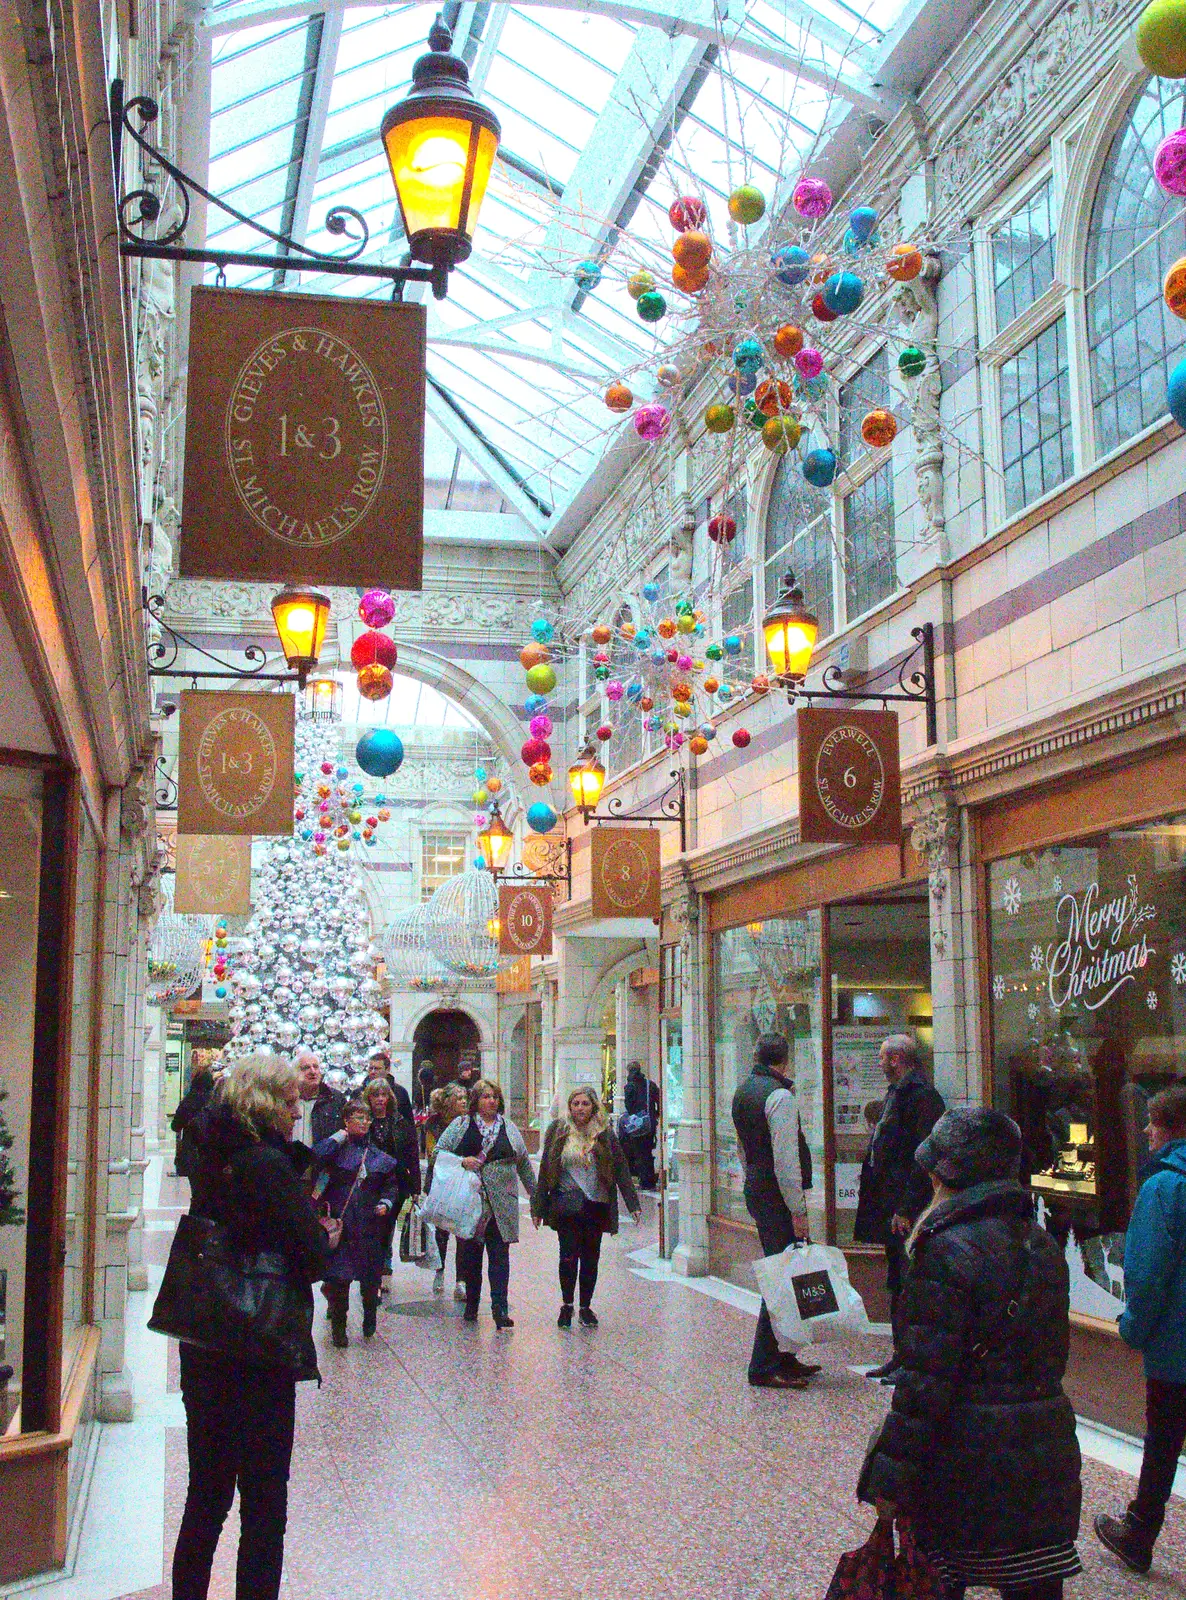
[[693, 1137], [939, 836], [577, 1056], [545, 1088]]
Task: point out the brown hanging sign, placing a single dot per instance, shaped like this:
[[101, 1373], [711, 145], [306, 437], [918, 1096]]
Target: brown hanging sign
[[849, 785], [304, 439], [235, 762], [213, 874], [524, 919], [625, 867]]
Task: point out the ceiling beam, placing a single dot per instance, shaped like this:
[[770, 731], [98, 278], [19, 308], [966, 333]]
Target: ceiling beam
[[476, 450], [323, 83], [477, 340]]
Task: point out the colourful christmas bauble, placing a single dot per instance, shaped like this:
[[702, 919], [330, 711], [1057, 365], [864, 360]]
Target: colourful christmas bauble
[[1169, 164], [374, 681], [689, 280], [587, 275], [732, 643], [692, 250], [760, 684], [698, 744], [627, 630], [495, 784], [747, 356], [540, 728], [650, 591], [719, 418], [651, 306], [781, 434], [812, 198], [640, 283], [1161, 38], [1176, 394], [843, 293], [535, 750], [480, 796], [788, 340], [721, 529], [1175, 287], [614, 690], [542, 630], [773, 396], [542, 679], [821, 310], [531, 655], [534, 703], [540, 774], [376, 608], [541, 818], [379, 753], [819, 467], [651, 422], [646, 703], [863, 222], [605, 732], [602, 634], [665, 628], [327, 767], [618, 397], [370, 647], [809, 363], [791, 264], [747, 205], [905, 263], [711, 685], [878, 428], [687, 212], [741, 738], [741, 383], [753, 417], [714, 652], [670, 377], [911, 361]]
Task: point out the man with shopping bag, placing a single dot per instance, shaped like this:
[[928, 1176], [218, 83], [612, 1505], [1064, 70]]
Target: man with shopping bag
[[766, 1117]]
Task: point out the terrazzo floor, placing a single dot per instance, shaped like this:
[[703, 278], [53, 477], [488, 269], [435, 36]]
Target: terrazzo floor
[[631, 1462]]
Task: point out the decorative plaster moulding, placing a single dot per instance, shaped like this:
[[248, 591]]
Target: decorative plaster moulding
[[194, 602]]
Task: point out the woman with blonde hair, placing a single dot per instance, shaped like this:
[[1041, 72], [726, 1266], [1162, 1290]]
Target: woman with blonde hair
[[581, 1173], [490, 1145], [239, 1373]]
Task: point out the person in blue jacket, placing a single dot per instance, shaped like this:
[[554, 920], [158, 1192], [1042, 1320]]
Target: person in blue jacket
[[1154, 1322], [361, 1186]]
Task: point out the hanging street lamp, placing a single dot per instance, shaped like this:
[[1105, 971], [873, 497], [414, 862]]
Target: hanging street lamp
[[323, 699], [301, 615], [790, 631], [495, 841], [586, 780], [440, 144]]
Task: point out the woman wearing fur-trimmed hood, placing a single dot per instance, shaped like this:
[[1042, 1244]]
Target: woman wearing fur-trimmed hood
[[581, 1172]]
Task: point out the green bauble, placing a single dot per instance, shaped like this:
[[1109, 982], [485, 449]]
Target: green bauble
[[911, 362], [1161, 38], [651, 306]]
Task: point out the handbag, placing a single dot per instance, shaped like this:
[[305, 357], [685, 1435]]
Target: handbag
[[867, 1573], [244, 1303], [333, 1225], [412, 1244], [634, 1124], [566, 1203]]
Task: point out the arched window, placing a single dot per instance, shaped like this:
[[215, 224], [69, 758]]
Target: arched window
[[1136, 234], [799, 540]]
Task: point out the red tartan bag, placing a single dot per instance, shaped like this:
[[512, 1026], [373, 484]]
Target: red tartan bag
[[916, 1577], [875, 1572]]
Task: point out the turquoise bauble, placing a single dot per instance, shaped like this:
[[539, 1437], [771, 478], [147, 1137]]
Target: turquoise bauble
[[843, 292], [380, 752], [541, 818], [819, 467]]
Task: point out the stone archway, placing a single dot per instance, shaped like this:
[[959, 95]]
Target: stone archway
[[451, 1039]]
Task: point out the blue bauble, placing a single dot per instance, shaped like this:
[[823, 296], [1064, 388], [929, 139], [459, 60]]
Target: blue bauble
[[819, 467], [791, 264], [1176, 394], [725, 692], [732, 645], [588, 275], [380, 752], [534, 703], [542, 630], [650, 591], [642, 639], [810, 388], [747, 357], [741, 383], [862, 220], [541, 818], [634, 690], [480, 863], [843, 292], [852, 244], [658, 657], [343, 772], [357, 788]]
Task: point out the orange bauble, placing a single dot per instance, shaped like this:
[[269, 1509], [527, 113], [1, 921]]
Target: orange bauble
[[540, 774], [788, 340], [646, 703], [628, 630], [666, 628], [905, 263], [772, 396], [698, 744], [879, 429], [760, 685], [689, 281], [618, 397], [692, 250], [602, 634], [1175, 288], [711, 685], [374, 682], [681, 691], [534, 655], [821, 268]]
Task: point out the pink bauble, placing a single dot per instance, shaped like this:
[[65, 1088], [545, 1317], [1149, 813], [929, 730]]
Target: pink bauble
[[541, 726], [1169, 164], [674, 740], [812, 198], [605, 732], [809, 362], [651, 422], [480, 819], [684, 663], [614, 691], [376, 608]]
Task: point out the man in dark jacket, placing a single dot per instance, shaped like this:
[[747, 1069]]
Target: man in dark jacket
[[766, 1117], [186, 1119], [321, 1106], [1154, 1322], [898, 1189]]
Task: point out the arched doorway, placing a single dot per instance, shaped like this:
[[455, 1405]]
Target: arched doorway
[[450, 1040]]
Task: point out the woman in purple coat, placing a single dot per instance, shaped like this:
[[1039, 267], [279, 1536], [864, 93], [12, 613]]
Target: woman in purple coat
[[360, 1185]]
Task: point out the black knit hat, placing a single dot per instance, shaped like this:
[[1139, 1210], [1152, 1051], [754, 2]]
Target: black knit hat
[[972, 1144]]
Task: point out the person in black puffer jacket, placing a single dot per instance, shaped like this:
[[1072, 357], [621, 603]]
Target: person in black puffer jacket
[[239, 1413], [979, 1448]]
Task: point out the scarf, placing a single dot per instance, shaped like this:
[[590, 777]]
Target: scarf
[[489, 1132], [579, 1142]]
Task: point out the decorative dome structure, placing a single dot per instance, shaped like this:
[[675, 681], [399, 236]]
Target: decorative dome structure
[[175, 954], [460, 918]]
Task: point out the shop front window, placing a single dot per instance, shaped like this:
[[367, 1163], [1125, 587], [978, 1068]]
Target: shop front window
[[767, 978], [1088, 999]]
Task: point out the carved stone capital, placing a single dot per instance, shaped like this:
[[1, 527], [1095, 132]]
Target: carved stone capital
[[936, 835]]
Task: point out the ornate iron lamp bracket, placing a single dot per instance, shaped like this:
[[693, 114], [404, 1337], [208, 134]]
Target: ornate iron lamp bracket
[[518, 873], [141, 209], [672, 807], [918, 687], [163, 654]]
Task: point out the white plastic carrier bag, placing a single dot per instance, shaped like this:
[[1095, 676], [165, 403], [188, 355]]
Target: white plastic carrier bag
[[809, 1297], [455, 1200]]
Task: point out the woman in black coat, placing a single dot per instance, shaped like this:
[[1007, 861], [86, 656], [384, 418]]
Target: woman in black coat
[[639, 1123], [979, 1449], [240, 1411]]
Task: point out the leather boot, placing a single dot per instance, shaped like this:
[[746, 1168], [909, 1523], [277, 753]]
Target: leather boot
[[1129, 1539]]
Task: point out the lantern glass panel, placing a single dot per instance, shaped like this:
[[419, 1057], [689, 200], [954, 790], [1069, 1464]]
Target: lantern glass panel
[[428, 157]]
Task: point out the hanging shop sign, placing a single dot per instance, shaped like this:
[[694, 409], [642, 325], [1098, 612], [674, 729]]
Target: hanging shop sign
[[516, 979], [235, 763], [213, 874], [625, 866], [849, 785], [304, 440], [525, 919]]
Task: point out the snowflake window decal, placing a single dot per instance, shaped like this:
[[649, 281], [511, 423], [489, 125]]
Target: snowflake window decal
[[1178, 969], [1056, 884], [1011, 896], [1031, 1010], [1037, 957], [998, 987], [1151, 999]]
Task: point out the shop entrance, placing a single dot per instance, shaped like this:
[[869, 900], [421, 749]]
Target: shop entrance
[[880, 971], [450, 1040]]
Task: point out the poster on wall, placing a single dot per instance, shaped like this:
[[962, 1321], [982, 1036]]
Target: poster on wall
[[304, 439], [235, 763], [625, 867], [849, 785], [858, 1083], [213, 874], [525, 919]]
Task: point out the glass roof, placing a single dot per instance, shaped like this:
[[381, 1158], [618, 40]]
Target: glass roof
[[411, 705], [590, 105]]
